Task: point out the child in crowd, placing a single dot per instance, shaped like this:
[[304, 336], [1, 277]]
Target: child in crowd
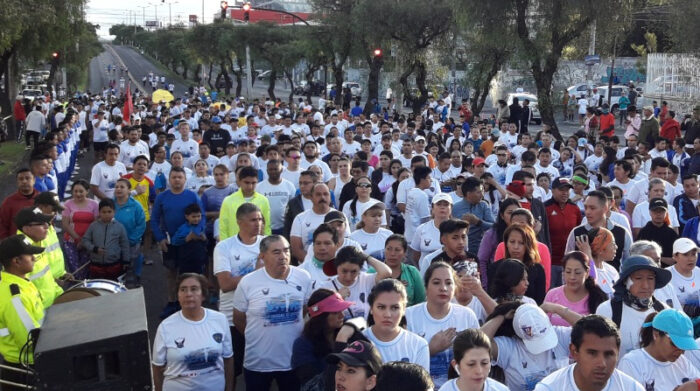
[[107, 243], [190, 242]]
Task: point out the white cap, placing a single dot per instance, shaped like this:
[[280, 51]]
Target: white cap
[[442, 197], [372, 202], [532, 325], [683, 245]]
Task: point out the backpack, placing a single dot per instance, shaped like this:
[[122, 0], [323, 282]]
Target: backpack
[[616, 306]]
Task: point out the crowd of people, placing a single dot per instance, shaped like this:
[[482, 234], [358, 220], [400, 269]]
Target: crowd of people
[[325, 249]]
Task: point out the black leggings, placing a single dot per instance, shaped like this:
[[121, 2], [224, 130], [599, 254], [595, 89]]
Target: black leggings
[[34, 135]]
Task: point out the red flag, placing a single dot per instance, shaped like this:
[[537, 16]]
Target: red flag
[[128, 106]]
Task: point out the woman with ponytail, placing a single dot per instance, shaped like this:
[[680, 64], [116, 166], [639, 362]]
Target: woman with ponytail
[[580, 293]]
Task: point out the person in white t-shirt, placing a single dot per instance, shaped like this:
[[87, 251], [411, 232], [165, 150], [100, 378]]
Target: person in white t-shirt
[[192, 349], [427, 236], [278, 192], [472, 363], [369, 233], [105, 174], [660, 364], [185, 145], [387, 303], [351, 282], [354, 208], [417, 202], [537, 348], [634, 299], [438, 320], [349, 145], [130, 148], [595, 346], [685, 275], [269, 306], [306, 222], [641, 215]]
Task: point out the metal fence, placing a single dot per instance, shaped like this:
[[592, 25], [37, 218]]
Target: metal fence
[[675, 76]]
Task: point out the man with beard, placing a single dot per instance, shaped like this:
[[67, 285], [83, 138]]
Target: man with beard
[[305, 223]]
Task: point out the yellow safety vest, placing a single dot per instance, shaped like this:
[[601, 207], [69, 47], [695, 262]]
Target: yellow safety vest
[[54, 253], [21, 311], [42, 278]]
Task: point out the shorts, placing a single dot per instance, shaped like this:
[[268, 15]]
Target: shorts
[[99, 146]]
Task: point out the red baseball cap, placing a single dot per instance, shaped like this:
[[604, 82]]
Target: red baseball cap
[[478, 161]]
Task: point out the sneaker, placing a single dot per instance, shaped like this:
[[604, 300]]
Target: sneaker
[[148, 262]]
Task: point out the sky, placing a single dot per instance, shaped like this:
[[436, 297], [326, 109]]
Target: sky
[[110, 12]]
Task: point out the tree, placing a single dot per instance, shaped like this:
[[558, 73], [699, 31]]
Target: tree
[[483, 49], [544, 28]]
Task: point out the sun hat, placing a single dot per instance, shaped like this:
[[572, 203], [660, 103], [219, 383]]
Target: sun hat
[[642, 262]]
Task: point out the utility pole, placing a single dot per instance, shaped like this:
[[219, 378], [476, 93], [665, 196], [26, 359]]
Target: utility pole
[[249, 72], [591, 51]]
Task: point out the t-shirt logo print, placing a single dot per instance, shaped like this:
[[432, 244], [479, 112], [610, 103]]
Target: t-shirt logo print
[[427, 241], [180, 343], [218, 337]]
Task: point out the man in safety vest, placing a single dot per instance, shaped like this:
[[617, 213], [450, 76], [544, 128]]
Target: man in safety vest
[[21, 308], [35, 225], [49, 205]]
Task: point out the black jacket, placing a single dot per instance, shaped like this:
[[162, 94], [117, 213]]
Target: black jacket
[[294, 207]]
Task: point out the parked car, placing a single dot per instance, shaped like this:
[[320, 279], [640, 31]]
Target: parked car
[[31, 93], [617, 92], [579, 89], [355, 88], [536, 117]]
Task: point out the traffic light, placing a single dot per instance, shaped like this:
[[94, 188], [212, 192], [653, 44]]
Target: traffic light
[[55, 57], [377, 52], [246, 12], [224, 8]]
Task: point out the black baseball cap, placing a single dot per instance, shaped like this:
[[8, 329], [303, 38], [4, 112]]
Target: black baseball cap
[[358, 354], [657, 203], [561, 182], [49, 198], [28, 216], [333, 216], [17, 245]]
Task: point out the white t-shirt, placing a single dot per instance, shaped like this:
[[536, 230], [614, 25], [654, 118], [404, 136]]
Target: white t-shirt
[[606, 277], [667, 295], [359, 293], [408, 184], [694, 356], [426, 239], [105, 176], [156, 168], [406, 347], [310, 252], [194, 182], [523, 370], [237, 258], [626, 187], [640, 192], [372, 244], [278, 196], [304, 225], [549, 170], [128, 152], [188, 148], [292, 176], [350, 149], [100, 132], [641, 216], [353, 220], [417, 209], [687, 288], [419, 321], [327, 174], [193, 352], [563, 379], [315, 270], [593, 162], [274, 316], [630, 324], [489, 385], [655, 375]]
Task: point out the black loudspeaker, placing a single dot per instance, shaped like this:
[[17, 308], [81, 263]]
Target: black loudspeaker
[[100, 343]]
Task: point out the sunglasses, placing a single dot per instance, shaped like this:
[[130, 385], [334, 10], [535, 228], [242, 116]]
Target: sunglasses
[[295, 157], [364, 185]]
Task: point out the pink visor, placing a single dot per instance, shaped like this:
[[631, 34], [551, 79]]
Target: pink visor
[[332, 303]]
